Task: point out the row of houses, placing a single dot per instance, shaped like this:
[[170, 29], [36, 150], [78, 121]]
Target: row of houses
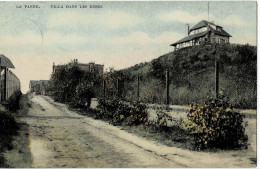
[[41, 86], [88, 67]]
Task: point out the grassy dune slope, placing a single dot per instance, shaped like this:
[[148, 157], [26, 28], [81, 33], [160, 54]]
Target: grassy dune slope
[[192, 75]]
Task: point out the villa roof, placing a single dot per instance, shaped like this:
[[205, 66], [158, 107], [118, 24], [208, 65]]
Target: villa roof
[[188, 38], [222, 32]]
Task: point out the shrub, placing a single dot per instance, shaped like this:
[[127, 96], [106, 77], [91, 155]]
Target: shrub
[[138, 114], [13, 102], [84, 93], [119, 112], [64, 80], [216, 125], [8, 128], [162, 119], [107, 108], [70, 84]]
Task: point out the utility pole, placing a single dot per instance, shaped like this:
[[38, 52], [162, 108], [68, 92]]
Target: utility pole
[[217, 78], [167, 86], [0, 81], [5, 85], [117, 88], [138, 89], [104, 89]]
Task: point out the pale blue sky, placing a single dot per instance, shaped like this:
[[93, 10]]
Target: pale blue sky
[[120, 34]]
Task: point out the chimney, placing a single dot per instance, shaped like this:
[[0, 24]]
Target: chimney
[[188, 28]]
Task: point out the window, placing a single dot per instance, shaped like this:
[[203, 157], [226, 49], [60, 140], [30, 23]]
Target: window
[[221, 41], [219, 29], [214, 40]]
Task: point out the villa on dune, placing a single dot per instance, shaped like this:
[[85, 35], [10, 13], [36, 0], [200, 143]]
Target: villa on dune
[[203, 31]]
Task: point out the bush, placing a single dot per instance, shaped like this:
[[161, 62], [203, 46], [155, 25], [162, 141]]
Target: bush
[[70, 84], [162, 119], [107, 108], [8, 128], [64, 81], [84, 93], [216, 125], [120, 113], [138, 114], [13, 102]]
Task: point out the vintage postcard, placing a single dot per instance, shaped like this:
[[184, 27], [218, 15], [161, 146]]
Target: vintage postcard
[[136, 84]]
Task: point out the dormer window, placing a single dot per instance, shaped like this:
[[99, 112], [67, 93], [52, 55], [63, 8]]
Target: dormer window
[[219, 29]]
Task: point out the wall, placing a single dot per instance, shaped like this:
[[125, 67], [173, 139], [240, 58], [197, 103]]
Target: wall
[[12, 84], [219, 37]]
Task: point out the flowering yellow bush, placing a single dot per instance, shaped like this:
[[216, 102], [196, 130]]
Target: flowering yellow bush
[[214, 124], [138, 114]]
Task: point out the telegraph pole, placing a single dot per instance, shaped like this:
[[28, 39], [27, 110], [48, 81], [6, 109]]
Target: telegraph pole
[[138, 89], [0, 81], [167, 86], [104, 89], [217, 78], [117, 88]]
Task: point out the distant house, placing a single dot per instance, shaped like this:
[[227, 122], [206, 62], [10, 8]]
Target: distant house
[[38, 86], [203, 31], [88, 67]]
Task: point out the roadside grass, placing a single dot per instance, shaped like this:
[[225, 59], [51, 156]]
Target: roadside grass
[[171, 136], [14, 136], [24, 105], [20, 155], [8, 129]]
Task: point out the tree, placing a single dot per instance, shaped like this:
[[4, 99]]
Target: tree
[[71, 84], [84, 93]]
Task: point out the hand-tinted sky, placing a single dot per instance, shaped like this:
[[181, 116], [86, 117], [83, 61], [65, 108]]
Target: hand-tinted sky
[[118, 35]]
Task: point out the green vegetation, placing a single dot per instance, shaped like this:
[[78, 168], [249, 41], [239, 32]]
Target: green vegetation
[[69, 84], [215, 125], [192, 79], [119, 113], [13, 102], [9, 126], [192, 76], [20, 154]]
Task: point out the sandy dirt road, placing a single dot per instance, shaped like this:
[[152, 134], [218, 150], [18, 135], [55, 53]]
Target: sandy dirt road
[[62, 138]]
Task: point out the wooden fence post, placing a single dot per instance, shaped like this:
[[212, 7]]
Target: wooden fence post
[[217, 78], [117, 88], [167, 87], [5, 84], [0, 81], [138, 88], [104, 89]]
